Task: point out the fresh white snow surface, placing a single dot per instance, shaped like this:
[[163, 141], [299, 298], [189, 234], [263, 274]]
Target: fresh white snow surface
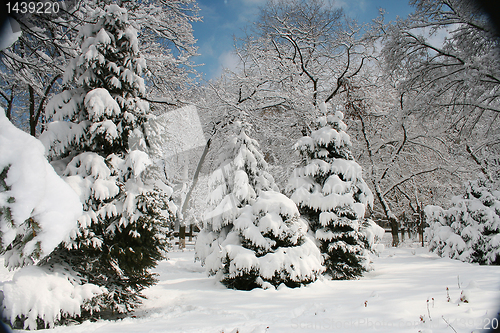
[[406, 283]]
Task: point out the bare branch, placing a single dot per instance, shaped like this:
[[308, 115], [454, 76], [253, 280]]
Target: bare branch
[[411, 177]]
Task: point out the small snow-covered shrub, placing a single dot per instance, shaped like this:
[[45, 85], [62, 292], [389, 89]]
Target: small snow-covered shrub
[[241, 176], [37, 298], [470, 229], [267, 246]]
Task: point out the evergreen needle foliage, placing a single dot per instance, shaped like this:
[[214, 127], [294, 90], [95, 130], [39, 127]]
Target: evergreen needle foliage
[[127, 218], [253, 235], [470, 229], [331, 194]]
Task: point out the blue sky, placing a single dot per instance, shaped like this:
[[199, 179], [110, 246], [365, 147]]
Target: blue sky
[[224, 18]]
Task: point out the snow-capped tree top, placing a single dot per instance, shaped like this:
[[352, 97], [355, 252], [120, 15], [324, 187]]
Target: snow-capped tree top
[[112, 34], [323, 108], [101, 104], [243, 154], [329, 178], [248, 148], [334, 120], [329, 141]]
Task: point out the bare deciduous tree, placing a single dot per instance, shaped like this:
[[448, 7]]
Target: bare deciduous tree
[[447, 56], [36, 61]]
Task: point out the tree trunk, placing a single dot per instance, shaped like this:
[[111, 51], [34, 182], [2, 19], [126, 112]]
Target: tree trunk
[[182, 237], [189, 193], [196, 176], [195, 181], [190, 232], [421, 222], [9, 106], [393, 221], [10, 101], [35, 116], [33, 121]]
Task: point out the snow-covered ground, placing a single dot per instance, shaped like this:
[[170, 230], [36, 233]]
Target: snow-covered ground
[[406, 292]]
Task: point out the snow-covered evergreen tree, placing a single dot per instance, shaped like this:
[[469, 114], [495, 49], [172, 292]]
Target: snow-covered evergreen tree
[[101, 105], [332, 196], [240, 177], [470, 229], [253, 235], [267, 246], [127, 218]]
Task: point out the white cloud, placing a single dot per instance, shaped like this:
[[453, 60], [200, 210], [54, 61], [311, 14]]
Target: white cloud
[[229, 60], [352, 8], [206, 48], [437, 38], [208, 12], [339, 4], [362, 5]]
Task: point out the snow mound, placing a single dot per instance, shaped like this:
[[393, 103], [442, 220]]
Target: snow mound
[[35, 294]]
